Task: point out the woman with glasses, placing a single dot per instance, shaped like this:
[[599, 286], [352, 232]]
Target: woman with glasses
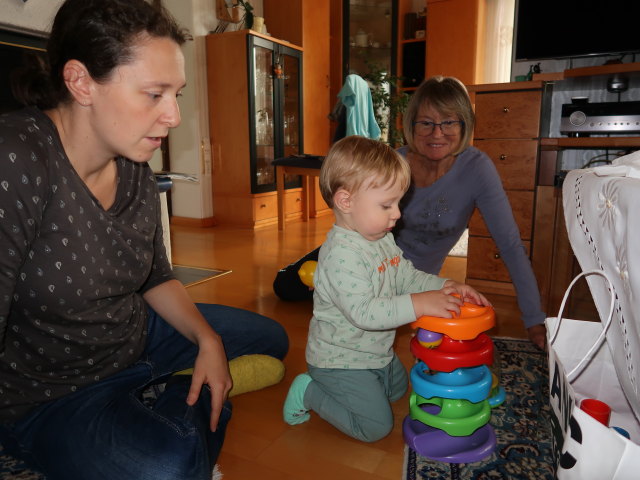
[[450, 179]]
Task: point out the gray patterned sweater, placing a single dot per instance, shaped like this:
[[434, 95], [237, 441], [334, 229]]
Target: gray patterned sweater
[[71, 273]]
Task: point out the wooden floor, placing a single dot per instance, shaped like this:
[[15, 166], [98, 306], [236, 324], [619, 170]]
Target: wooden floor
[[259, 445]]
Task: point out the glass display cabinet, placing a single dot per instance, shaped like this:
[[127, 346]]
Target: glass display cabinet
[[369, 35], [275, 86], [255, 116]]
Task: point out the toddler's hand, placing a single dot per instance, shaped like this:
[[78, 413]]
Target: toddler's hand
[[436, 303], [467, 293]]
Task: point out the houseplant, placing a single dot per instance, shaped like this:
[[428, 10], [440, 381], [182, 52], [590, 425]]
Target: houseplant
[[389, 102]]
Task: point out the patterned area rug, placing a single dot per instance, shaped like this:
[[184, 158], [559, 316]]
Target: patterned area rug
[[521, 425]]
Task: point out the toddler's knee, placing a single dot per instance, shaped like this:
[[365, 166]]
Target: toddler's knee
[[399, 393], [373, 431]]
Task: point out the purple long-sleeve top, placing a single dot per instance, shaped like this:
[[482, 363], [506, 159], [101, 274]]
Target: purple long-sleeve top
[[434, 218]]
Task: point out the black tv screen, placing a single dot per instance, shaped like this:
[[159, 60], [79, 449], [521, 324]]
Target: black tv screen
[[548, 29]]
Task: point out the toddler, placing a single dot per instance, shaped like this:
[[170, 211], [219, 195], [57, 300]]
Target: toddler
[[364, 290]]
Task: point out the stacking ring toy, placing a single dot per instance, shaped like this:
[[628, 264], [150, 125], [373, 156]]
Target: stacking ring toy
[[452, 354], [472, 384], [473, 319], [438, 445], [456, 417], [497, 395], [306, 271], [429, 339]]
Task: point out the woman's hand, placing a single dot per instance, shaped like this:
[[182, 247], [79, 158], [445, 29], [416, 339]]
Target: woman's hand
[[211, 368], [171, 301], [538, 335]]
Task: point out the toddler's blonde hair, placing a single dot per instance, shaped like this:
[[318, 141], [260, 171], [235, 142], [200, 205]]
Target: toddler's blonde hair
[[354, 159]]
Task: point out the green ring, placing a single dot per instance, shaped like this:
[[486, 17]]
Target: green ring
[[471, 415]]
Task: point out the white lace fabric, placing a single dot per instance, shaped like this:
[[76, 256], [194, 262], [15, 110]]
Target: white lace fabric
[[601, 213]]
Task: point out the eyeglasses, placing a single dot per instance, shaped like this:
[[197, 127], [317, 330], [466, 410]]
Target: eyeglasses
[[448, 127]]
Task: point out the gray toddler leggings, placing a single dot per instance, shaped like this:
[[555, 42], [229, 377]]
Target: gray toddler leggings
[[357, 402]]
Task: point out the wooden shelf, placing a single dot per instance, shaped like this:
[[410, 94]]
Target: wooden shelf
[[503, 87], [245, 32], [370, 48], [589, 142], [413, 40], [603, 70], [589, 71]]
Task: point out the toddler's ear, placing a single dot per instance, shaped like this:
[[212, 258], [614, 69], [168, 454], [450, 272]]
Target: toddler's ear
[[342, 200]]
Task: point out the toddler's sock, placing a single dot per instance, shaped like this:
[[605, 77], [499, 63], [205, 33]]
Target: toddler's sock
[[294, 411]]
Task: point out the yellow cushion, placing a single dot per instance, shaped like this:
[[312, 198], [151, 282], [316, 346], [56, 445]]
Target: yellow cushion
[[251, 372]]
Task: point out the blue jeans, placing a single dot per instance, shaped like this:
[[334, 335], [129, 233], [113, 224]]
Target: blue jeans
[[104, 431]]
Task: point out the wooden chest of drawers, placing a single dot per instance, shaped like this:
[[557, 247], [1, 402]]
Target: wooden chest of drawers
[[265, 206], [508, 131], [508, 114]]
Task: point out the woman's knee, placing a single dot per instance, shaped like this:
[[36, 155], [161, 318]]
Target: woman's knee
[[181, 448], [170, 440], [195, 450], [276, 340], [244, 332]]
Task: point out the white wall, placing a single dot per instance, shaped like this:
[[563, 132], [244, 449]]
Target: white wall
[[32, 16], [189, 144], [186, 142]]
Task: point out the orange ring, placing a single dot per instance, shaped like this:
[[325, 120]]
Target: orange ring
[[473, 320]]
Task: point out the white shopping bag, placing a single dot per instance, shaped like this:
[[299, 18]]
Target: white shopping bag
[[603, 225], [581, 366]]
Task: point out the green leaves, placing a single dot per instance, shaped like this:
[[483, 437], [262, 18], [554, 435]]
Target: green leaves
[[389, 101]]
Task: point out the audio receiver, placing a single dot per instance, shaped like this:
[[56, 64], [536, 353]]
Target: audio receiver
[[581, 118]]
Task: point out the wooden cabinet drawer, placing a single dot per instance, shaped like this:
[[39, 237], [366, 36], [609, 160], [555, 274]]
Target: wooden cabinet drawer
[[515, 161], [484, 262], [508, 114], [522, 206], [265, 207], [293, 201]]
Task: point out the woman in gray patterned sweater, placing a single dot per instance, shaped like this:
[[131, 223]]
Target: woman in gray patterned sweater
[[90, 313]]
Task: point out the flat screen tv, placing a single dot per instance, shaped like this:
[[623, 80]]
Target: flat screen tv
[[550, 29]]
